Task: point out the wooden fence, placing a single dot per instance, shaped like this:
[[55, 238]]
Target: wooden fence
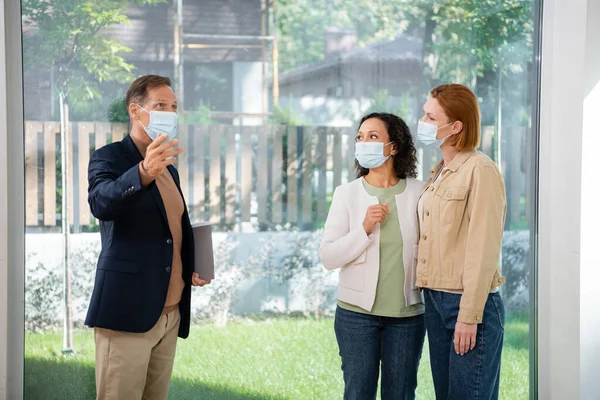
[[230, 175]]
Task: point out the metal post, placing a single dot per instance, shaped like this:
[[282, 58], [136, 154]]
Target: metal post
[[64, 158], [499, 121], [275, 57], [178, 54], [224, 37], [263, 31]]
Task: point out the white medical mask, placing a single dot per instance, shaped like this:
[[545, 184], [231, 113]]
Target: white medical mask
[[427, 133], [161, 122], [370, 154]]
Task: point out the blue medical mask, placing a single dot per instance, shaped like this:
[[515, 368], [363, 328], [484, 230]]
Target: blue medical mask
[[427, 133], [161, 122], [370, 154]]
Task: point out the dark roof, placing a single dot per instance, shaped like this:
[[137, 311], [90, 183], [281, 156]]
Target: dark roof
[[401, 49]]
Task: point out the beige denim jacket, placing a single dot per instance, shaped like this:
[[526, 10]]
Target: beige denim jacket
[[461, 231]]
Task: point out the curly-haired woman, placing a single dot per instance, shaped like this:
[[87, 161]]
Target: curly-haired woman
[[371, 236]]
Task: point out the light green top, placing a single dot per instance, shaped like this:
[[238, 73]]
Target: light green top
[[389, 298]]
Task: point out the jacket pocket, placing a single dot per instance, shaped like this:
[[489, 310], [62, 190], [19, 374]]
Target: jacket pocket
[[352, 275], [498, 305], [114, 264], [360, 259], [452, 202]]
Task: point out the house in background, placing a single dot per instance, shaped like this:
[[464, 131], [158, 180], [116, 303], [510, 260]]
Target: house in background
[[222, 54], [338, 89]]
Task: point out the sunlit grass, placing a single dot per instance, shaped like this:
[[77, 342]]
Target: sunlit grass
[[272, 359]]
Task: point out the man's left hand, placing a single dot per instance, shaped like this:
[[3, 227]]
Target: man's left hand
[[197, 281]]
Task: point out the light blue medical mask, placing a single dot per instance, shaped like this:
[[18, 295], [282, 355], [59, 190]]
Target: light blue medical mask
[[370, 154], [161, 122], [427, 133]]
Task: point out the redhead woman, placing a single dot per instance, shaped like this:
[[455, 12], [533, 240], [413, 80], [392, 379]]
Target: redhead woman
[[461, 215]]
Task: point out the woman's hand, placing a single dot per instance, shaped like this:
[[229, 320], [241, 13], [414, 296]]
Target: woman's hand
[[375, 213], [464, 337]]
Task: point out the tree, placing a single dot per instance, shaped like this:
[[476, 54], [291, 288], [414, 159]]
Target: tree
[[473, 37], [485, 44], [65, 34], [463, 39], [382, 103], [301, 24]]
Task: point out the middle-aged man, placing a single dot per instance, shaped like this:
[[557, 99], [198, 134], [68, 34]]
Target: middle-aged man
[[142, 293]]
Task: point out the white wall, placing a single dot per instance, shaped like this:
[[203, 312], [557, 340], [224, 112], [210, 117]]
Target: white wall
[[568, 261], [3, 218], [12, 202], [247, 91], [590, 221]]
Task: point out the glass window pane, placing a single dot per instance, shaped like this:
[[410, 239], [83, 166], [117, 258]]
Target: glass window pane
[[270, 96]]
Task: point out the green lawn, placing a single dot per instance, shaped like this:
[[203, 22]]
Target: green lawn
[[288, 359]]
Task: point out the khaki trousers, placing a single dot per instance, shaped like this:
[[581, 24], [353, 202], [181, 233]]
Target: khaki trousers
[[136, 366]]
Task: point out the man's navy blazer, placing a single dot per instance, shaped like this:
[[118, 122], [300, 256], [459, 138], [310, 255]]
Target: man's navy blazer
[[134, 267]]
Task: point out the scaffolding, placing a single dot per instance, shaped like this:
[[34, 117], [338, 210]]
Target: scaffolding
[[192, 41]]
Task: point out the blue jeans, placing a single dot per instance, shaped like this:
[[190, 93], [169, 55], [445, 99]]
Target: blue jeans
[[368, 341], [476, 375]]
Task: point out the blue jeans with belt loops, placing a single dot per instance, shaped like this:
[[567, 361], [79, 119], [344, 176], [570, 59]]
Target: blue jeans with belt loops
[[475, 375], [368, 343]]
